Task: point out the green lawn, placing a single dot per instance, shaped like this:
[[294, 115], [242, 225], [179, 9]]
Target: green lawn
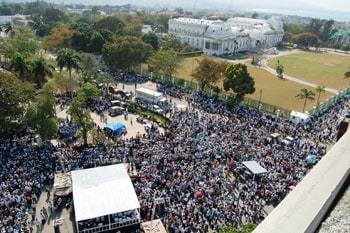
[[319, 68], [281, 93]]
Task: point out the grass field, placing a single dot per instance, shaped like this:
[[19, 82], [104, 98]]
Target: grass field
[[281, 93], [319, 68]]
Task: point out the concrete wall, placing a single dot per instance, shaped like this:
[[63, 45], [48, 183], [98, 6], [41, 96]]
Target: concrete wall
[[305, 207]]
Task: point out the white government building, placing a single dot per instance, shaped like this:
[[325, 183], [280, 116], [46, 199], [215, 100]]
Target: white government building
[[217, 37]]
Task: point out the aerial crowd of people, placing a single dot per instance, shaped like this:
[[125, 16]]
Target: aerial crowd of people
[[195, 165]]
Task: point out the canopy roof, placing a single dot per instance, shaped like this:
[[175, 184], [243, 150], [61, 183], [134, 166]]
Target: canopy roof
[[254, 167], [116, 127], [101, 191]]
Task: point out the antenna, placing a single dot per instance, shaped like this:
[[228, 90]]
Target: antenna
[[194, 4]]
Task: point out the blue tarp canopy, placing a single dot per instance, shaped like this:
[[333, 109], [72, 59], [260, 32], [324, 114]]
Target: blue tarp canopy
[[116, 127]]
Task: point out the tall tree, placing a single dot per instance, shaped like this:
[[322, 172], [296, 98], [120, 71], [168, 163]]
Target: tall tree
[[20, 66], [306, 39], [305, 94], [125, 53], [59, 38], [238, 79], [66, 58], [133, 30], [112, 23], [319, 89], [15, 96], [40, 116], [40, 70], [171, 41], [208, 72], [96, 43], [161, 24], [23, 41], [44, 21], [151, 38], [164, 62], [81, 116], [89, 90], [88, 67]]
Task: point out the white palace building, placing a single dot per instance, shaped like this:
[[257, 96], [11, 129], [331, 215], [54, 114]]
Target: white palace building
[[216, 37]]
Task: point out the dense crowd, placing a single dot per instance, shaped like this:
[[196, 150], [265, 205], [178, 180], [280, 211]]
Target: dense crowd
[[196, 165]]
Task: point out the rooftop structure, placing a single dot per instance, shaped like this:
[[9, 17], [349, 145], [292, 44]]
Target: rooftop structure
[[217, 37]]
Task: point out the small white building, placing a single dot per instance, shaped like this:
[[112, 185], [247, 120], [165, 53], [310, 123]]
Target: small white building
[[217, 37], [298, 117], [15, 20]]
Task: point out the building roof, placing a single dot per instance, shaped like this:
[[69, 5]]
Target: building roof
[[101, 191], [339, 33]]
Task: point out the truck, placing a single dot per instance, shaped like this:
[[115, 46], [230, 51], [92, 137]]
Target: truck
[[150, 96]]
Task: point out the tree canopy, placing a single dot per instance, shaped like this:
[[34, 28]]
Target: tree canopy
[[15, 96], [306, 39], [59, 38], [19, 64], [208, 72], [40, 70], [40, 115], [125, 53], [238, 79], [164, 62], [81, 116]]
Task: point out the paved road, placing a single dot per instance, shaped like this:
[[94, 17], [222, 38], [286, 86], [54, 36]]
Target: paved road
[[288, 77], [266, 57]]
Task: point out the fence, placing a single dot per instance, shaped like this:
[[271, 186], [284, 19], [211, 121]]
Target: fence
[[324, 105], [264, 107]]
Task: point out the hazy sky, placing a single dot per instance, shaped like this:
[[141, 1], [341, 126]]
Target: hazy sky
[[340, 5], [325, 5]]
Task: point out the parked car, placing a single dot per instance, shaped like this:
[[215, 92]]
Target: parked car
[[115, 111], [157, 109], [118, 103], [125, 94], [141, 120]]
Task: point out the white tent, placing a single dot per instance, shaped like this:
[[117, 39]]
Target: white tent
[[102, 191], [297, 117], [254, 167]]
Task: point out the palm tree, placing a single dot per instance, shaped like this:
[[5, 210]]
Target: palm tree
[[306, 94], [19, 65], [279, 69], [319, 89], [40, 70], [66, 58]]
